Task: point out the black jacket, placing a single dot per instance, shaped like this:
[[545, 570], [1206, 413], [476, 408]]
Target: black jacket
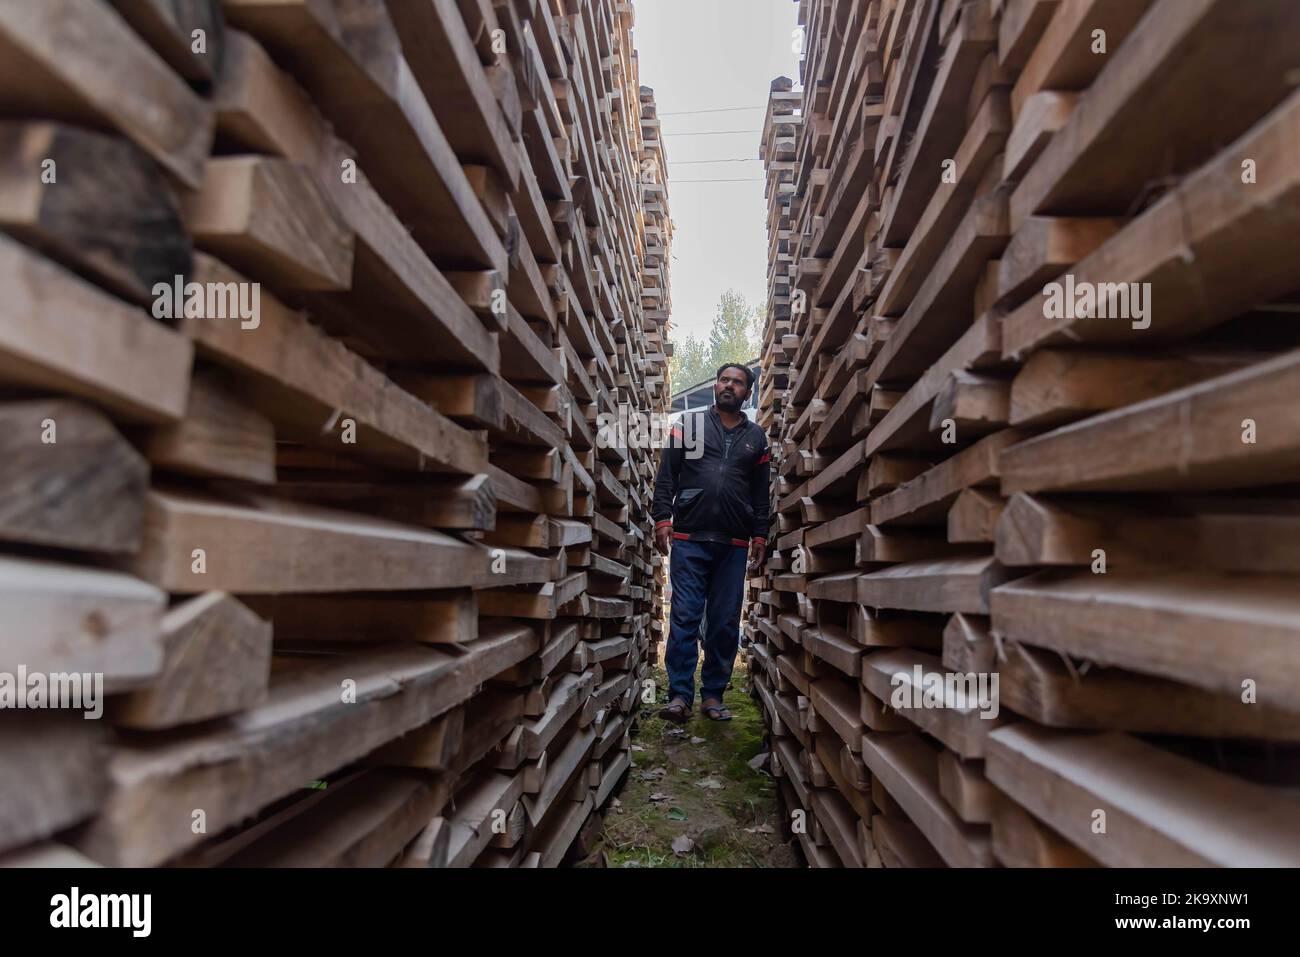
[[713, 495]]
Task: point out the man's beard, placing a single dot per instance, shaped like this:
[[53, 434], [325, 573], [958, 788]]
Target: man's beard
[[730, 404]]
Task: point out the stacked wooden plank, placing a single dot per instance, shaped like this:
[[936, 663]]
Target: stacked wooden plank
[[314, 312], [656, 302], [1034, 403]]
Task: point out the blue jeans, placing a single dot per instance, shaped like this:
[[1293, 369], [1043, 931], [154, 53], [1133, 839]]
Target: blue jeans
[[708, 580]]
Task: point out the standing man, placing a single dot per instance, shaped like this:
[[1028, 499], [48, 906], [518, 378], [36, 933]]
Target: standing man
[[710, 507]]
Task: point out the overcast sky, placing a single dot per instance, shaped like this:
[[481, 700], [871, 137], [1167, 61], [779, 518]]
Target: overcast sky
[[704, 55]]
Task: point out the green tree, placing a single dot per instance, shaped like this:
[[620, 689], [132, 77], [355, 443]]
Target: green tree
[[735, 336], [732, 337], [689, 363]]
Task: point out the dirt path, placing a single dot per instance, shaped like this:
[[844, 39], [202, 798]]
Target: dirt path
[[694, 781]]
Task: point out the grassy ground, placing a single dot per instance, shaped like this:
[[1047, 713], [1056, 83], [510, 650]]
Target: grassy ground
[[694, 781]]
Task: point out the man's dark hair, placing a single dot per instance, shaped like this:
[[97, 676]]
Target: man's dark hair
[[749, 373]]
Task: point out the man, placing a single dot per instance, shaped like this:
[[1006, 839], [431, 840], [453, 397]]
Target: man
[[710, 507]]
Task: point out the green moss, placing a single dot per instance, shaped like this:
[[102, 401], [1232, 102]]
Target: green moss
[[724, 822]]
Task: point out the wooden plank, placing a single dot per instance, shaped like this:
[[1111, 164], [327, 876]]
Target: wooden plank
[[982, 142], [305, 730], [934, 140], [264, 546], [974, 516], [216, 662], [489, 402], [115, 82], [1234, 430], [907, 425], [434, 747], [966, 789], [1246, 535], [950, 585], [422, 317], [900, 544], [546, 601], [1064, 57], [901, 843], [169, 26], [908, 767], [927, 498], [886, 471], [971, 404], [1046, 246], [564, 701], [871, 629], [444, 62], [1208, 248], [220, 437], [52, 769], [1057, 386], [68, 479], [350, 59], [62, 618], [363, 822], [434, 618], [60, 333], [560, 773], [940, 312], [475, 805], [45, 854], [554, 839], [1038, 685], [1202, 628], [834, 646], [308, 383], [1138, 106], [959, 711], [448, 503], [105, 214], [968, 644], [1020, 840], [1021, 24], [836, 703], [1160, 809], [1039, 118], [268, 218], [840, 822]]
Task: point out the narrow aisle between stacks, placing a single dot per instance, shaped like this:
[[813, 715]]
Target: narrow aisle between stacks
[[695, 782]]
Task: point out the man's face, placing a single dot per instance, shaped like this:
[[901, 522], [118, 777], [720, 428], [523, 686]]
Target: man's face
[[731, 390]]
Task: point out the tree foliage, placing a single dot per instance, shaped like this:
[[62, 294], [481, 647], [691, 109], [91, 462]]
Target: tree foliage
[[735, 336]]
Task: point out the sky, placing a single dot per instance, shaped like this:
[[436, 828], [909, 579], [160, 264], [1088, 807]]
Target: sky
[[705, 55]]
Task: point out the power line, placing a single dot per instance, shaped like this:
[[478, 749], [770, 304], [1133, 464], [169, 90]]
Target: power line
[[739, 159], [755, 179], [721, 109], [712, 133]]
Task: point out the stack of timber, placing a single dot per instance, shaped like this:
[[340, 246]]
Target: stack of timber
[[1032, 263], [656, 303], [312, 312]]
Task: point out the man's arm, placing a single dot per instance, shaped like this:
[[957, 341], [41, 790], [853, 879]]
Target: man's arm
[[759, 498], [670, 467]]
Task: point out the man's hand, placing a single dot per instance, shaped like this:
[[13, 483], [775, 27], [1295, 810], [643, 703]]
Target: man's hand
[[757, 555], [664, 538]]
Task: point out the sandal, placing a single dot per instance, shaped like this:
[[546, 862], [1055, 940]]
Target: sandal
[[676, 711], [716, 712]]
